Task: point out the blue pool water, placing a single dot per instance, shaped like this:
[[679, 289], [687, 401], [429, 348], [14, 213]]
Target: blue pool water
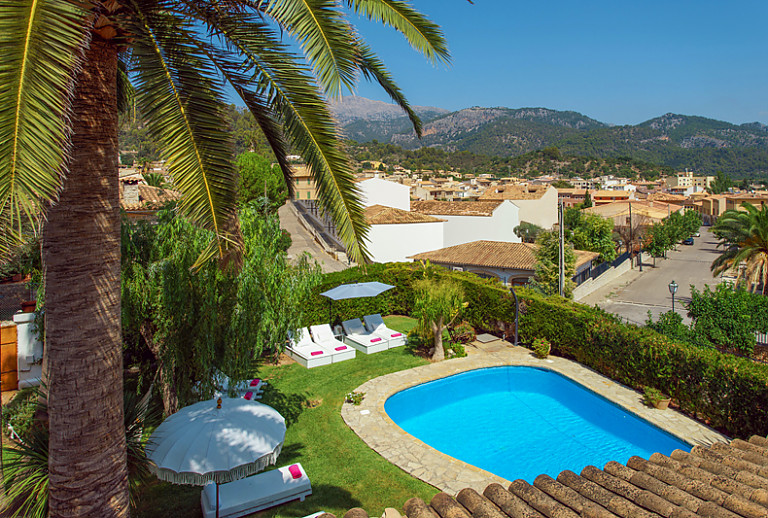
[[520, 422]]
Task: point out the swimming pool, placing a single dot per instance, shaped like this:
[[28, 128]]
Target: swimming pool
[[520, 422]]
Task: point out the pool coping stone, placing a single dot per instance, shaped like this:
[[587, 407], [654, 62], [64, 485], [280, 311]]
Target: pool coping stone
[[372, 424]]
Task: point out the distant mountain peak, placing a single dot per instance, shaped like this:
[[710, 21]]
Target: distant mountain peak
[[352, 108]]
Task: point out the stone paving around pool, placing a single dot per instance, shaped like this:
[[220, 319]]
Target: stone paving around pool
[[371, 423]]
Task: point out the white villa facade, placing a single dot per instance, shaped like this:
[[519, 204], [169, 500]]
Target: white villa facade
[[472, 221]]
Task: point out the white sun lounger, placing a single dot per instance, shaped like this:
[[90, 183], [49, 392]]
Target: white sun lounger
[[306, 352], [323, 335], [251, 389], [251, 494], [362, 340], [375, 324]]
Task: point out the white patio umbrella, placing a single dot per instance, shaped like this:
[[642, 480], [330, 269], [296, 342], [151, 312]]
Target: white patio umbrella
[[355, 290], [215, 441]]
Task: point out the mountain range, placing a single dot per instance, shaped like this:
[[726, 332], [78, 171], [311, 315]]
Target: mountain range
[[673, 140]]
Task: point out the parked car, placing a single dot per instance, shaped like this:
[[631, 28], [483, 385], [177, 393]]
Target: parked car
[[688, 241]]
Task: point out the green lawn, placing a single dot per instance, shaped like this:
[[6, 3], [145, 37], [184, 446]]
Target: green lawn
[[344, 471]]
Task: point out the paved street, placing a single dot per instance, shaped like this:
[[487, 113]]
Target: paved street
[[303, 241], [633, 295]]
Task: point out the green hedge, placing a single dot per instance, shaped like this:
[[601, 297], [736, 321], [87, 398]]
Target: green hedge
[[727, 392]]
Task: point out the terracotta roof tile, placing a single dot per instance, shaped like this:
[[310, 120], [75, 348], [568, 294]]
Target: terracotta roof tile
[[515, 192], [381, 215], [493, 254], [722, 481], [151, 198], [455, 208]]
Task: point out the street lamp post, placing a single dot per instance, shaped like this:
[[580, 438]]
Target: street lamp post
[[673, 290]]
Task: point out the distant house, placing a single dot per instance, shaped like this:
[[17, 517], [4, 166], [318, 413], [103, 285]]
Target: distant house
[[537, 203], [604, 197], [141, 201], [511, 263], [376, 191], [467, 221], [571, 197], [643, 212], [396, 234]]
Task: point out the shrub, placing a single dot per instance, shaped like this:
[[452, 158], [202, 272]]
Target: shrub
[[20, 412], [652, 396], [355, 398], [541, 347], [454, 350]]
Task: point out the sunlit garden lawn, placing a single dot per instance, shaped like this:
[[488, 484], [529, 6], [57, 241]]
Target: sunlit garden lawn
[[344, 471]]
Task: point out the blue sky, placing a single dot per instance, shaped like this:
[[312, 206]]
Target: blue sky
[[619, 61]]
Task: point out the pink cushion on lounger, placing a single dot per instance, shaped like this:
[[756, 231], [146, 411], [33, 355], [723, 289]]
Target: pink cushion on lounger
[[248, 395], [315, 353], [397, 334], [255, 383], [375, 340], [295, 471], [341, 347]]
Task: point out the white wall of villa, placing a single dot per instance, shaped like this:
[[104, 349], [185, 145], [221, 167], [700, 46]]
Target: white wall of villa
[[541, 212], [500, 226], [375, 191], [395, 243]]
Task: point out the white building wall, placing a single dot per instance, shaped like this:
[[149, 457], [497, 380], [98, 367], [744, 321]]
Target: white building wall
[[498, 227], [376, 191], [394, 243], [541, 212]]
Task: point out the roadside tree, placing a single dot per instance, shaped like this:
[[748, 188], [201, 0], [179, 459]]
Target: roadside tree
[[546, 278], [743, 235]]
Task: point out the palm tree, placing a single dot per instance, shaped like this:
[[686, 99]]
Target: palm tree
[[67, 67], [744, 236]]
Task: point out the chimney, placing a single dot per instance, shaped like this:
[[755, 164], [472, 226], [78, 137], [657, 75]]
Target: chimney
[[130, 192]]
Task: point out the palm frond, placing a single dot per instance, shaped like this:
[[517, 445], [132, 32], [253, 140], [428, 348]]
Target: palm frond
[[182, 103], [323, 34], [287, 89], [41, 41], [373, 68], [423, 34]]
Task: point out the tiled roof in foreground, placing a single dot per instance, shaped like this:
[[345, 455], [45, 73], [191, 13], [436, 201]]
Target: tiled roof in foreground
[[494, 254], [719, 481]]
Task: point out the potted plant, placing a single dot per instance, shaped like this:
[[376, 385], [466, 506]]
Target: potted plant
[[656, 398], [541, 348], [28, 306]]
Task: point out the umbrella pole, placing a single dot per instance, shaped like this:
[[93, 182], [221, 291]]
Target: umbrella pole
[[217, 500]]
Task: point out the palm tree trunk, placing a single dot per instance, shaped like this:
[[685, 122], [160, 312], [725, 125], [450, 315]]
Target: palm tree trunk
[[437, 329], [83, 365]]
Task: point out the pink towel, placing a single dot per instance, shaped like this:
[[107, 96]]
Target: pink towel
[[397, 334], [255, 382], [341, 347], [315, 353], [248, 395], [375, 340], [295, 471]]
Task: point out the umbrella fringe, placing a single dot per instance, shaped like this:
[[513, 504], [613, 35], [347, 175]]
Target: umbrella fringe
[[220, 477]]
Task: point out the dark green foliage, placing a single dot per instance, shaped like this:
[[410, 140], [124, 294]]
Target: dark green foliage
[[261, 181], [670, 324], [721, 184], [590, 232], [210, 317], [728, 318], [528, 231], [726, 392], [19, 412], [546, 278]]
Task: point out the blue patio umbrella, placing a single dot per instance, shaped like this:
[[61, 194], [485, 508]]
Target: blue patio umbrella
[[353, 291], [356, 290]]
